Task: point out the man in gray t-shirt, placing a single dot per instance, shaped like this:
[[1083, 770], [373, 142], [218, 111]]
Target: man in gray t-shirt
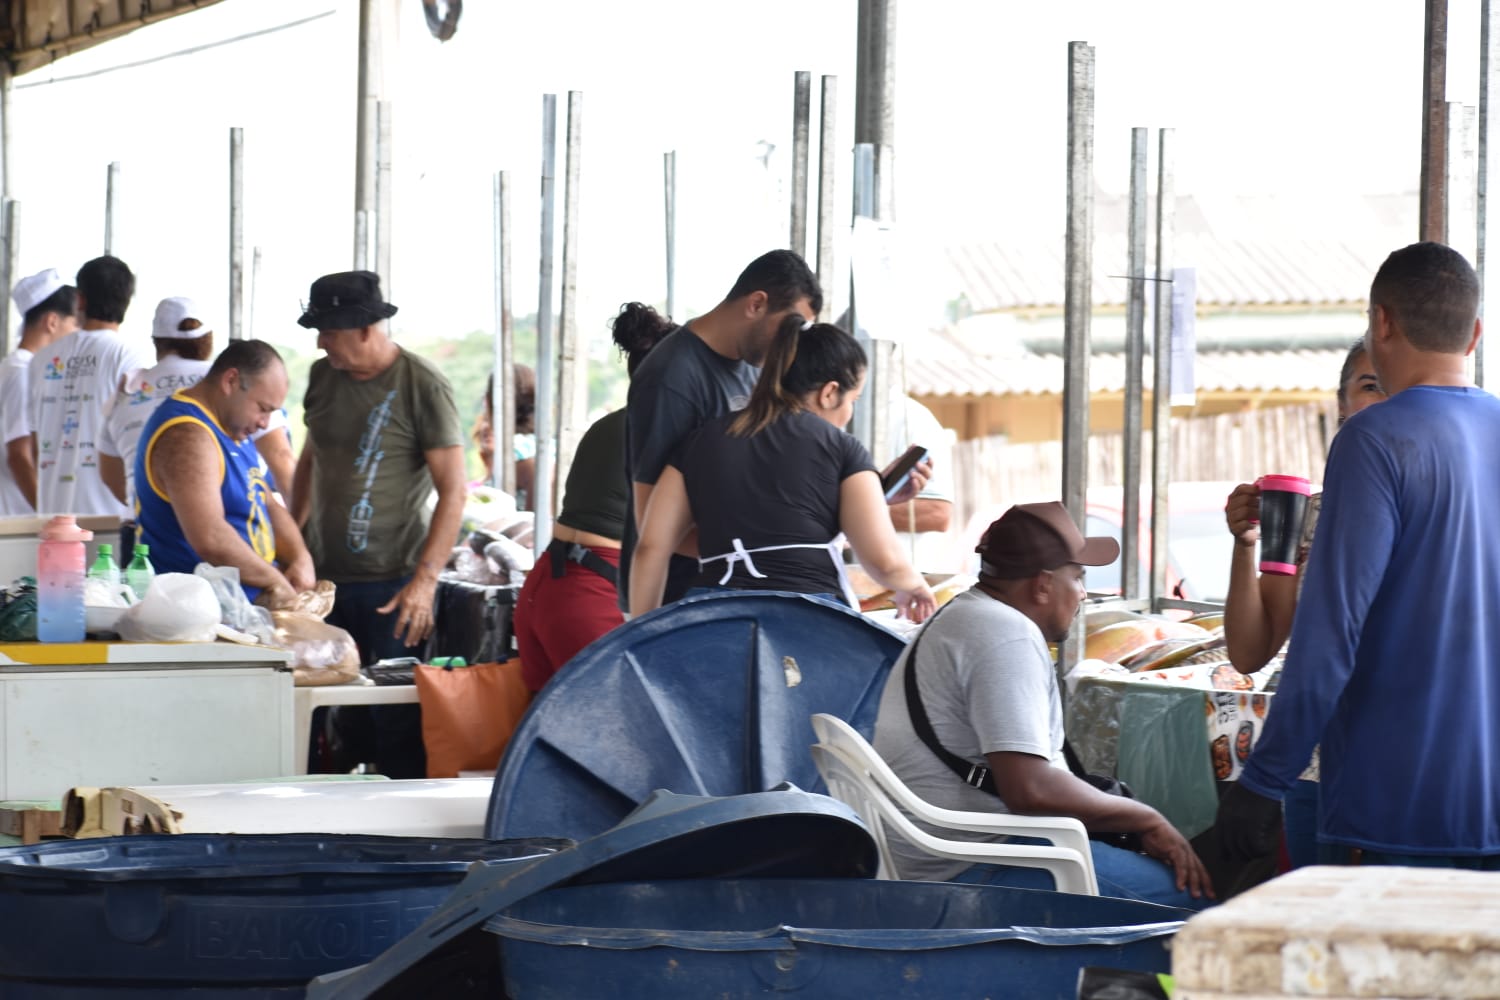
[[987, 685]]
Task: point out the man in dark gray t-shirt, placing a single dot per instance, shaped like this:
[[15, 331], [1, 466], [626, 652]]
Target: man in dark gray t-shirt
[[704, 370]]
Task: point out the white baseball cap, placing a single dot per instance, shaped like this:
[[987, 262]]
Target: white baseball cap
[[169, 316], [32, 291]]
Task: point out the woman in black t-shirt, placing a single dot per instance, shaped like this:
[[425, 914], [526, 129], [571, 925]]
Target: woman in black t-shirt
[[775, 488]]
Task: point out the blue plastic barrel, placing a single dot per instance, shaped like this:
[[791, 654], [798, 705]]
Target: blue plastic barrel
[[242, 916], [830, 939], [709, 696]]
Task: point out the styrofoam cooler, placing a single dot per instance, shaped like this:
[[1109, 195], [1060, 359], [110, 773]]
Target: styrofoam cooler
[[1345, 933]]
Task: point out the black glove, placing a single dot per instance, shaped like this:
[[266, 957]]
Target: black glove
[[1249, 824]]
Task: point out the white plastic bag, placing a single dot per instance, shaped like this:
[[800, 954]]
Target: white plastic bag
[[235, 609], [178, 607]]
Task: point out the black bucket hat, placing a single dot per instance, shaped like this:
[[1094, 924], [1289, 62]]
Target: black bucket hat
[[345, 301]]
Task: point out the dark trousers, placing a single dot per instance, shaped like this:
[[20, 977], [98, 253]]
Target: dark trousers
[[388, 736]]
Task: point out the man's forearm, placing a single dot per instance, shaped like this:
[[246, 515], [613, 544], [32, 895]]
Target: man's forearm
[[442, 533], [220, 545], [290, 546]]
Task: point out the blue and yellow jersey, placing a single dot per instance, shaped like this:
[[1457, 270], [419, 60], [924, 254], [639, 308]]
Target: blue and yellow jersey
[[242, 487]]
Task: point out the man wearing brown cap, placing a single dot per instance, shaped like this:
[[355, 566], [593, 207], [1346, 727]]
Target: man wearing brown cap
[[382, 435], [986, 687]]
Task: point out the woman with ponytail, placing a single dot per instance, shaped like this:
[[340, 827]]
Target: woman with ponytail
[[776, 488], [569, 598]]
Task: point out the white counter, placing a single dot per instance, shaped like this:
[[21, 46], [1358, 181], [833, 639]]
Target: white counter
[[118, 713]]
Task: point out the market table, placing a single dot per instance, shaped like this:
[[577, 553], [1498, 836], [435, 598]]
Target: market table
[[1171, 742], [120, 713]]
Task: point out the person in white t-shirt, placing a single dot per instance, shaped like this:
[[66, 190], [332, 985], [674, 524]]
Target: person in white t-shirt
[[922, 524], [70, 384], [184, 351], [48, 307]]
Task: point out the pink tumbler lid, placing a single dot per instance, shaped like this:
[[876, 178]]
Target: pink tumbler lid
[[64, 528], [1285, 484]]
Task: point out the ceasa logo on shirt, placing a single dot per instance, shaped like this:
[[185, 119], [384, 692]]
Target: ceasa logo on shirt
[[84, 366], [54, 369], [142, 394]]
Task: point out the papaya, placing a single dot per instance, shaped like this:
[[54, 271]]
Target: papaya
[[1093, 621], [1118, 642]]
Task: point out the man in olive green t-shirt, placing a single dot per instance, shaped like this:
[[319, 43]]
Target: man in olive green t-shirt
[[382, 433]]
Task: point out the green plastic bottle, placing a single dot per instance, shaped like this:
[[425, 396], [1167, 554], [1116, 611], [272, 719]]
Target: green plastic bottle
[[105, 568], [139, 574]]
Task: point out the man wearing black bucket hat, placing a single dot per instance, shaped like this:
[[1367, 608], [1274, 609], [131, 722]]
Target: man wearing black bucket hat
[[382, 434], [986, 694]]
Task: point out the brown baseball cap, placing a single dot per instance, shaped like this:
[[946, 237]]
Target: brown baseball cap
[[1032, 537]]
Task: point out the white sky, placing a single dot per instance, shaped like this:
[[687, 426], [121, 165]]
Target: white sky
[[1312, 96]]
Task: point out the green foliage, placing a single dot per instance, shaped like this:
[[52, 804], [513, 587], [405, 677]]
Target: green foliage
[[467, 362]]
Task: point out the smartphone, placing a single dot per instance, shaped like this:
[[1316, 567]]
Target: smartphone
[[894, 479]]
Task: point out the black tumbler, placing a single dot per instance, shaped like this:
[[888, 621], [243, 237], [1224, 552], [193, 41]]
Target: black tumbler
[[1283, 508]]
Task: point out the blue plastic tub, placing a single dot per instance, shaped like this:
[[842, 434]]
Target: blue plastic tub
[[709, 696], [852, 938], [239, 915]]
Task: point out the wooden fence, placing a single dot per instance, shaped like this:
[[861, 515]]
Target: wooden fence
[[1292, 440]]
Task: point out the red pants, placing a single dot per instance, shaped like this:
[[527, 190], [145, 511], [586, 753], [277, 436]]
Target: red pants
[[555, 618]]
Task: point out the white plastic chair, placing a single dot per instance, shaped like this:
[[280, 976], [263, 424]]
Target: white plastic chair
[[859, 777]]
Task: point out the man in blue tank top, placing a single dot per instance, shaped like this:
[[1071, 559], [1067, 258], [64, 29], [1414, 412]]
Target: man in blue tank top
[[1395, 649], [201, 495]]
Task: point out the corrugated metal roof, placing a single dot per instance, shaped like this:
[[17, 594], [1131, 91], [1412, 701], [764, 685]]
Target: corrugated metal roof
[[953, 374], [41, 31], [1248, 251]]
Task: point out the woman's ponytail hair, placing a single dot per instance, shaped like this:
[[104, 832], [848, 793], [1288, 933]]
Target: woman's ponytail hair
[[803, 357]]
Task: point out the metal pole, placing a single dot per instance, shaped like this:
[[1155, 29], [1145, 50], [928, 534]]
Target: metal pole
[[875, 96], [10, 262], [1135, 352], [827, 169], [1489, 67], [801, 140], [383, 194], [366, 93], [1459, 201], [6, 188], [1079, 266], [1161, 377], [503, 412], [1432, 212], [236, 233], [361, 240], [669, 184], [573, 378], [863, 424], [254, 292], [546, 379], [111, 206]]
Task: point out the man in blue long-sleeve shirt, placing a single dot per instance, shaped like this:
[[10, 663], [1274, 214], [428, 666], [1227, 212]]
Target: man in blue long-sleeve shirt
[[1394, 659]]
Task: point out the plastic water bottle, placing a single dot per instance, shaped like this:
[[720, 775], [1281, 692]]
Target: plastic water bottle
[[105, 568], [139, 574], [60, 562]]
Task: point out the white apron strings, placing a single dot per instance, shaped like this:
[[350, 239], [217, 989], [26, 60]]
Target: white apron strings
[[739, 554]]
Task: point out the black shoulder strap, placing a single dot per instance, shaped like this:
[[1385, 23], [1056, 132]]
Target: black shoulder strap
[[972, 774]]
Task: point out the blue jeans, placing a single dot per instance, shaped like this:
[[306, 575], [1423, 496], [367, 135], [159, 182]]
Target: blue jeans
[[1122, 874], [1299, 811], [1343, 854], [388, 736]]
